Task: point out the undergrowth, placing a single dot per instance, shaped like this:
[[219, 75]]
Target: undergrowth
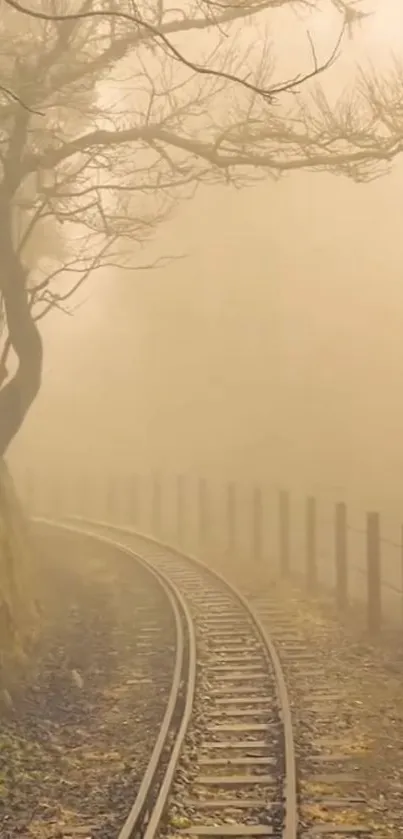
[[19, 615]]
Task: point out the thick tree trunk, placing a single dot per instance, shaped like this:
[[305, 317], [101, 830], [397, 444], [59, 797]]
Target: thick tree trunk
[[18, 611], [18, 393]]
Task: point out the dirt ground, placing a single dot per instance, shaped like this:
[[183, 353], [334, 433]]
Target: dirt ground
[[76, 736]]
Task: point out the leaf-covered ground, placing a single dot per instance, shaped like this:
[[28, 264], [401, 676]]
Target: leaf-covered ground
[[76, 737]]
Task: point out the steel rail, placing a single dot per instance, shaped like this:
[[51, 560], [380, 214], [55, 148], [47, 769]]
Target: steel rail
[[134, 820], [290, 827]]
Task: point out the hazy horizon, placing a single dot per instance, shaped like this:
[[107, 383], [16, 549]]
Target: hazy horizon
[[270, 351]]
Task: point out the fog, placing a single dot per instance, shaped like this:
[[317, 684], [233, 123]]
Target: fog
[[270, 350]]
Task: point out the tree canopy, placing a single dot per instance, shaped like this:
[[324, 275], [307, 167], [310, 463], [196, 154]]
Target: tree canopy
[[112, 111]]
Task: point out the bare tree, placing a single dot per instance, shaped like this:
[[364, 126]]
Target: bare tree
[[112, 111]]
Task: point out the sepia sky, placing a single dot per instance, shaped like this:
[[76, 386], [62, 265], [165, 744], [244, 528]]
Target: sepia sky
[[272, 350]]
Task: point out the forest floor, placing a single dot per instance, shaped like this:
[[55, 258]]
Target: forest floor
[[76, 737]]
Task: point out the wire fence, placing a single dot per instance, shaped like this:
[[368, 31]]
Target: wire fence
[[354, 553]]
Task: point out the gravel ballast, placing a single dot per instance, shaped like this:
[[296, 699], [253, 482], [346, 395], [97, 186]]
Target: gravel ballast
[[361, 716]]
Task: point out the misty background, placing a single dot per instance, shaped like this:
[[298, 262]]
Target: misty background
[[271, 351]]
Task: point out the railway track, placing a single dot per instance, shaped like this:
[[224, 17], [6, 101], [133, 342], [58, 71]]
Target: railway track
[[151, 795], [226, 763]]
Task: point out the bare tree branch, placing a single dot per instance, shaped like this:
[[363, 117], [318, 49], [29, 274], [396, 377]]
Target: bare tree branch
[[160, 36], [12, 95], [112, 115]]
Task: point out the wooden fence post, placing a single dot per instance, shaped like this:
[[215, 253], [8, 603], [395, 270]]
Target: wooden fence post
[[180, 501], [202, 513], [80, 494], [156, 506], [284, 532], [374, 602], [141, 502], [29, 492], [341, 555], [231, 518], [73, 506], [257, 535], [133, 500], [55, 508], [311, 563], [129, 498], [110, 500], [401, 567]]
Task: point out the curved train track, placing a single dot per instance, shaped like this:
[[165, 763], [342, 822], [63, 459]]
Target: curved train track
[[224, 760]]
